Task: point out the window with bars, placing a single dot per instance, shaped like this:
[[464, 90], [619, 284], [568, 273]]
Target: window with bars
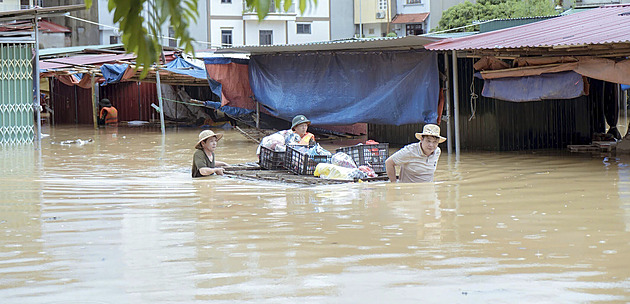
[[226, 37], [113, 39], [303, 28], [414, 1], [382, 4], [171, 33], [265, 37]]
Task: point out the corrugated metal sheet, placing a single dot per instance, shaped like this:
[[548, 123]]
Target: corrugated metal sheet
[[73, 105], [510, 126], [608, 24], [499, 24], [337, 45]]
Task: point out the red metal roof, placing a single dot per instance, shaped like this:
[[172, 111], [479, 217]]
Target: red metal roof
[[410, 18], [603, 25], [44, 26]]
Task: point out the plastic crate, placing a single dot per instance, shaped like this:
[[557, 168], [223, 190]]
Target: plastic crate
[[372, 155], [271, 160], [301, 163]]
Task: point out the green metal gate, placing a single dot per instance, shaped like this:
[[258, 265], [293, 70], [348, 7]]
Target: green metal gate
[[16, 93]]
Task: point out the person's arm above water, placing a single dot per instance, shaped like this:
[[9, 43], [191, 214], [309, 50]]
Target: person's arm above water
[[221, 164], [205, 171], [390, 168], [201, 163]]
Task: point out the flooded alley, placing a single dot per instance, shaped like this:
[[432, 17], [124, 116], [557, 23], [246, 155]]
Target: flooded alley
[[115, 217]]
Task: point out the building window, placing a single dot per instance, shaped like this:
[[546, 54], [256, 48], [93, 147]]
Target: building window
[[266, 38], [226, 1], [303, 28], [113, 39], [414, 1], [226, 37], [371, 31], [414, 29], [382, 5], [172, 42]]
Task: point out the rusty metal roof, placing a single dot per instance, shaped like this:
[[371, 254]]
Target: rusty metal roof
[[604, 25], [410, 18]]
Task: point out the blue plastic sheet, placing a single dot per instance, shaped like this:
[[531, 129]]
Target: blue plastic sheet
[[224, 60], [564, 85], [230, 111], [182, 66], [113, 72], [625, 87], [341, 88]]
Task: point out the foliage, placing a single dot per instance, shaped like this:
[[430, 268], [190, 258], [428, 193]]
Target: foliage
[[391, 34], [466, 13], [141, 36]]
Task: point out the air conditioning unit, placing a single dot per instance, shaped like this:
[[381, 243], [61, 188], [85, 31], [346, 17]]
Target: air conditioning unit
[[380, 15]]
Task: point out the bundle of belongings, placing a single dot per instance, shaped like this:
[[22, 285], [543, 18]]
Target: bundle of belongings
[[343, 167], [278, 141]]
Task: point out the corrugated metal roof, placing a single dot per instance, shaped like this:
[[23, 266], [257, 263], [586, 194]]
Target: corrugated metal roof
[[386, 43], [27, 25], [603, 25], [76, 49], [40, 12]]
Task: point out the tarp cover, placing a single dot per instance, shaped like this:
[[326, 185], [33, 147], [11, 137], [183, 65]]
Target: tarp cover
[[231, 111], [565, 85], [392, 88], [229, 79], [113, 73], [182, 66]]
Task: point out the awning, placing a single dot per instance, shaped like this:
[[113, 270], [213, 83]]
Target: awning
[[410, 18]]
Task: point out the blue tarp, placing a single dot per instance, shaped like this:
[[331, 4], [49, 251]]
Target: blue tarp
[[392, 88], [625, 87], [564, 85], [181, 66], [113, 72], [231, 111]]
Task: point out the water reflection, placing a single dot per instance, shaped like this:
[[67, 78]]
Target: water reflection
[[119, 220]]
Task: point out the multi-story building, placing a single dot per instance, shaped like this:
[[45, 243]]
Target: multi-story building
[[377, 18], [9, 5]]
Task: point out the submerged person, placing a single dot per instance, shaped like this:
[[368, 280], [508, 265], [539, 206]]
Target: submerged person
[[204, 163], [417, 161], [299, 126], [108, 115]]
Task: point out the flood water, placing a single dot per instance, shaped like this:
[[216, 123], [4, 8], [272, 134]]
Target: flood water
[[120, 220]]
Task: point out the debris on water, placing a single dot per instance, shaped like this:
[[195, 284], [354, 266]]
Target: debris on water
[[79, 142]]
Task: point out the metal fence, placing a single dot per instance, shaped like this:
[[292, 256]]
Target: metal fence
[[16, 93]]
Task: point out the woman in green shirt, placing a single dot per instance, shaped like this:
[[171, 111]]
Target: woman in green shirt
[[204, 163]]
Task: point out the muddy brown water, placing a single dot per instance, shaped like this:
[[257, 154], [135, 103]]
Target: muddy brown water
[[119, 220]]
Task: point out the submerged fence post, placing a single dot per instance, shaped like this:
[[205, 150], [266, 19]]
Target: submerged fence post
[[94, 101], [449, 140], [159, 92], [36, 89], [456, 104]]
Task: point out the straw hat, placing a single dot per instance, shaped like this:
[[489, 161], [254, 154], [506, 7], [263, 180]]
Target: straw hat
[[105, 103], [431, 130], [300, 119], [205, 134]]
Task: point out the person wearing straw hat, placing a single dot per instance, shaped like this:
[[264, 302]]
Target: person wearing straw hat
[[417, 161], [108, 115], [204, 163]]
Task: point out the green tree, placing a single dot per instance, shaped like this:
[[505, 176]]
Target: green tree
[[466, 13], [140, 35]]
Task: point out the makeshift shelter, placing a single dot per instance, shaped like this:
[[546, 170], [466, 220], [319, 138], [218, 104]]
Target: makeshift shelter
[[381, 81], [572, 63]]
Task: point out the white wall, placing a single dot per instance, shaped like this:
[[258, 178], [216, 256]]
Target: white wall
[[403, 8], [9, 5], [319, 32], [341, 19], [217, 25], [225, 9], [252, 29]]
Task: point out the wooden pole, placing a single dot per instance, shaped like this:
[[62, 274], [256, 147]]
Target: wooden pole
[[456, 104], [94, 101]]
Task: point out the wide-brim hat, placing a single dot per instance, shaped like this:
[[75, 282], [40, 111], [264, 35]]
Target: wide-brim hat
[[105, 103], [431, 130], [205, 134], [300, 119]]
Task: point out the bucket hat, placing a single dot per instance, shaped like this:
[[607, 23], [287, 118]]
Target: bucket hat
[[431, 130], [205, 134], [300, 119], [105, 103]]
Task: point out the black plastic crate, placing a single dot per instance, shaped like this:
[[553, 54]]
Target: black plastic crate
[[301, 163], [270, 159], [372, 155]]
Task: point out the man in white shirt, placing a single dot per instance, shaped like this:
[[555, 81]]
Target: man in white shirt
[[417, 161]]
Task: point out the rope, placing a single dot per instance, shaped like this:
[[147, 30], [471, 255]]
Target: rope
[[473, 98]]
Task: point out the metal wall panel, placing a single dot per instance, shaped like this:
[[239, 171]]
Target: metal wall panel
[[73, 105], [511, 126]]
